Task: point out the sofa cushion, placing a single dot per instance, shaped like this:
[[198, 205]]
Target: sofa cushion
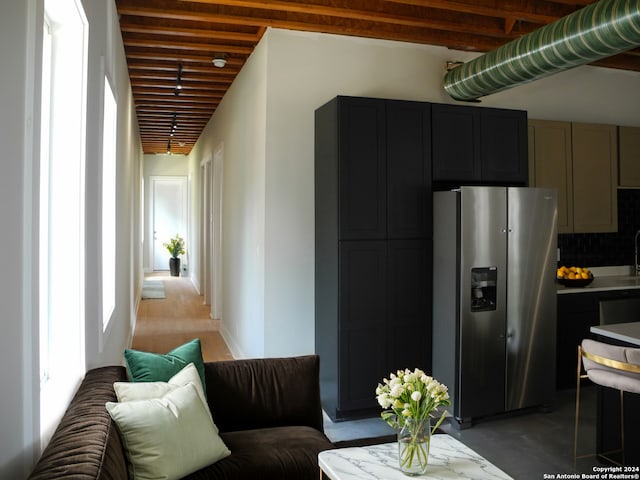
[[156, 367], [86, 443], [169, 437], [260, 393], [269, 453]]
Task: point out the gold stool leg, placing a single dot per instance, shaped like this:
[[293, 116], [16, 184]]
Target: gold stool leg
[[575, 433], [622, 425]]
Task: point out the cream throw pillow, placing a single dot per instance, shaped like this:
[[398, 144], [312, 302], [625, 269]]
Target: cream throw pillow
[[170, 437], [129, 391]]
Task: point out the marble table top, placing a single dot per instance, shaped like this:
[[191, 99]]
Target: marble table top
[[448, 459]]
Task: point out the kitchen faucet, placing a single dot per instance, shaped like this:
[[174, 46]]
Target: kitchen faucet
[[635, 246]]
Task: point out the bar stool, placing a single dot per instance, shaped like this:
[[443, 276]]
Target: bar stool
[[609, 366]]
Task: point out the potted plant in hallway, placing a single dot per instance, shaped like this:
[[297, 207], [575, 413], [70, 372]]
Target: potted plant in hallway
[[176, 248]]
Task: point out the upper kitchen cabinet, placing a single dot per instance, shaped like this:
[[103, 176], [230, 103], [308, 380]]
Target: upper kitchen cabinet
[[629, 156], [351, 159], [479, 145], [408, 143], [376, 153], [580, 161], [456, 143], [550, 165], [595, 177], [504, 146]]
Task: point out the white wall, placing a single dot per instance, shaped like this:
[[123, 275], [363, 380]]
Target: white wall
[[15, 411], [20, 53], [239, 125], [266, 123]]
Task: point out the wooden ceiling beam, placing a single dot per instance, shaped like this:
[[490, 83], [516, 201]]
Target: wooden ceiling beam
[[151, 104], [142, 67], [170, 96], [509, 24], [536, 11], [196, 47], [192, 87], [186, 58], [321, 18], [189, 32]]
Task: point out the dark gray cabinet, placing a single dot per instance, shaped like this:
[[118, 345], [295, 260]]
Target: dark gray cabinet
[[479, 145], [577, 313], [373, 247]]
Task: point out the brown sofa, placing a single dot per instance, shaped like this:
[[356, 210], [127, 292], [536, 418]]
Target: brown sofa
[[268, 412]]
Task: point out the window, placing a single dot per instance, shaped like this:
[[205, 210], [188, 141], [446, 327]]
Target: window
[[109, 138], [61, 216]]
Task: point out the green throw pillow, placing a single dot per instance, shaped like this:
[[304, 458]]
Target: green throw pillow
[[155, 367]]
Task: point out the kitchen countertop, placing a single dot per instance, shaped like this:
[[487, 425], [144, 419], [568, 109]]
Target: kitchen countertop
[[606, 279], [625, 332]]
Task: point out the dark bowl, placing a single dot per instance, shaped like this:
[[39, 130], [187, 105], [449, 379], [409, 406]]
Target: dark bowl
[[576, 282]]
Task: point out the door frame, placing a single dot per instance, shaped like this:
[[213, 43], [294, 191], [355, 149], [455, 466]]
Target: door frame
[[183, 180], [216, 264], [211, 231]]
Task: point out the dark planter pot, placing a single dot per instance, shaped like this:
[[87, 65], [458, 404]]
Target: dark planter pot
[[174, 266]]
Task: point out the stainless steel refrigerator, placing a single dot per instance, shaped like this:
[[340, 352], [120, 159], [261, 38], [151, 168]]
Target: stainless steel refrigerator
[[494, 298]]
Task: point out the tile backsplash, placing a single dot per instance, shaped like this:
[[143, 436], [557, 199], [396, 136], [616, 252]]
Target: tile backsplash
[[600, 249]]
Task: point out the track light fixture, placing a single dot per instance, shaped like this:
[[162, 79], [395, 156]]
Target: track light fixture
[[178, 81], [174, 126], [169, 147], [174, 123]]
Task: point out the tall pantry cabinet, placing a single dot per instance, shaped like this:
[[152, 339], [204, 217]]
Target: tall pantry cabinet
[[373, 246]]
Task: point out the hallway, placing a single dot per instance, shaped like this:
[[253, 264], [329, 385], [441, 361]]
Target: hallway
[[163, 324]]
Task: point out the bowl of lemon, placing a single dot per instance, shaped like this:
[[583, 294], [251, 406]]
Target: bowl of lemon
[[574, 276]]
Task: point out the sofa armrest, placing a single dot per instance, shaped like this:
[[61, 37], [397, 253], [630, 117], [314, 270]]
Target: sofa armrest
[[86, 443], [265, 392]]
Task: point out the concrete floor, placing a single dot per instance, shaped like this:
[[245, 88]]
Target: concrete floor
[[526, 445]]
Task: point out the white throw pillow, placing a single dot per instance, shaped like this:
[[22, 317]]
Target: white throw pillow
[[169, 437], [129, 391]]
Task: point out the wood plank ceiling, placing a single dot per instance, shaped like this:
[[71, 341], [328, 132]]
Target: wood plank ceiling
[[168, 39]]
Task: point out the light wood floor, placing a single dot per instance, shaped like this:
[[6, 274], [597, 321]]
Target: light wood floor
[[166, 323]]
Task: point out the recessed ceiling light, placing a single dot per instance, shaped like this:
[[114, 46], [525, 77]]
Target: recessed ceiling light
[[219, 60]]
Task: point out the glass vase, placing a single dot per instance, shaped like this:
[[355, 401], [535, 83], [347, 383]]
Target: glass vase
[[414, 439]]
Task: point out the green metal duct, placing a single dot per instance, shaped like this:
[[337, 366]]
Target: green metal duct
[[597, 31]]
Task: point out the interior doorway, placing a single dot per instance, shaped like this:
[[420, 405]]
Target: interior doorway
[[168, 216], [211, 232]]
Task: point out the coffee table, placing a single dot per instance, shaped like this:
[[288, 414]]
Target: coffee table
[[448, 459]]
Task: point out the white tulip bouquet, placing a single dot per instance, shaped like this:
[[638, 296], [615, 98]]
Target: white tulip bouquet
[[409, 399]]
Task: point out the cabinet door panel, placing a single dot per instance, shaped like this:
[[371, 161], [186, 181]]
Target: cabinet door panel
[[408, 169], [362, 169], [455, 143], [410, 280], [552, 166], [362, 356], [577, 313], [629, 144], [595, 178], [362, 367], [504, 146]]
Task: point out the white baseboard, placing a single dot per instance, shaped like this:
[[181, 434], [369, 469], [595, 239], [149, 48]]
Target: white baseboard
[[196, 285], [234, 348]]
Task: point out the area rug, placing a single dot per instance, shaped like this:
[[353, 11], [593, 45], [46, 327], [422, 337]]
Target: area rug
[[152, 289]]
